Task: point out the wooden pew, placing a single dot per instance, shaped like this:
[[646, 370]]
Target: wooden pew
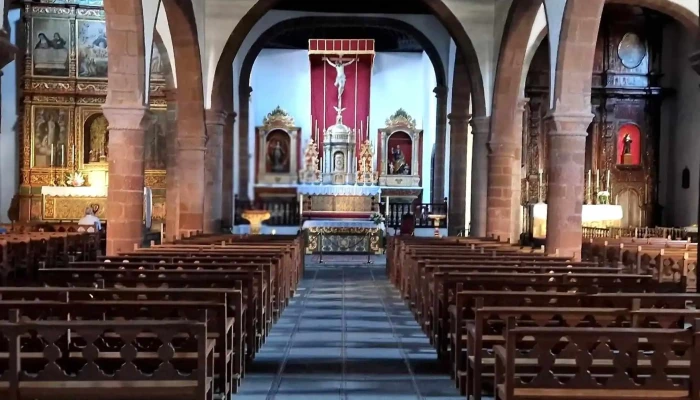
[[120, 371], [568, 364]]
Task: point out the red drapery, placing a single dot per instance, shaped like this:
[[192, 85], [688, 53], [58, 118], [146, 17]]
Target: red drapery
[[324, 93]]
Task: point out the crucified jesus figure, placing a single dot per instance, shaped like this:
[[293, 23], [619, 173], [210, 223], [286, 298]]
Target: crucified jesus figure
[[339, 74]]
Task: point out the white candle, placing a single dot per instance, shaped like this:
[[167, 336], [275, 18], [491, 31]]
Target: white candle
[[608, 185], [62, 156], [597, 181], [51, 162], [539, 187]]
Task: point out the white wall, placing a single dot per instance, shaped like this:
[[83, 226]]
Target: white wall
[[399, 80], [680, 139], [9, 162]]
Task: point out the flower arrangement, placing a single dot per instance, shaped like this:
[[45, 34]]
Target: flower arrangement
[[604, 197], [76, 179], [377, 218]]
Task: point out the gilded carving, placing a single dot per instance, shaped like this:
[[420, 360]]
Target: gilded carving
[[51, 86], [278, 118], [401, 118], [155, 180], [72, 208]]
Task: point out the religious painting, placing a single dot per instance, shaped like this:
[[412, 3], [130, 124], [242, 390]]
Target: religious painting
[[49, 136], [50, 44], [277, 152], [400, 153], [629, 145], [92, 49], [155, 151], [95, 139]]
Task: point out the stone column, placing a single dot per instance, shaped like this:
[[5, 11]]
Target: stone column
[[695, 63], [565, 183], [501, 160], [215, 121], [191, 179], [244, 163], [438, 194], [126, 177], [172, 190], [516, 198], [459, 124], [481, 127], [227, 173]]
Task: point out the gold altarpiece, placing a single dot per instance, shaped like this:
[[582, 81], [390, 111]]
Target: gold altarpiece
[[63, 130], [278, 145]]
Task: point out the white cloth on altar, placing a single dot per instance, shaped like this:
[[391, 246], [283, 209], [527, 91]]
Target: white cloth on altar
[[70, 191], [339, 190], [340, 223]]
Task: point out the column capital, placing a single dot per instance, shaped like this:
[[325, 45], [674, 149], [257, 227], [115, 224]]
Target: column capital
[[481, 126], [522, 103], [568, 123], [458, 117], [440, 92], [215, 117], [503, 149], [126, 117]]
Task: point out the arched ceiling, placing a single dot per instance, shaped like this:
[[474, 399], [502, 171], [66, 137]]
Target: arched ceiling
[[354, 7]]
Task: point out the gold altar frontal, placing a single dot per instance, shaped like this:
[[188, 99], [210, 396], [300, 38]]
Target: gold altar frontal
[[343, 240], [72, 208]]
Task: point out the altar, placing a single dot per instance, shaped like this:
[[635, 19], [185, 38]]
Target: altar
[[592, 216]]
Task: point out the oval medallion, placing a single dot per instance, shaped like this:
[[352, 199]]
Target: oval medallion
[[631, 50]]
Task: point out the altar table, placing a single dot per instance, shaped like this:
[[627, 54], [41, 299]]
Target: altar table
[[592, 215], [343, 236]]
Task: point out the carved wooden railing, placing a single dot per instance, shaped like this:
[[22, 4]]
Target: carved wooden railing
[[421, 212], [640, 232]]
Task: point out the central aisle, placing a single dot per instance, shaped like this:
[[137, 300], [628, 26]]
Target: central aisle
[[346, 335]]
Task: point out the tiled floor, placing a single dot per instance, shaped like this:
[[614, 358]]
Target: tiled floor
[[346, 335]]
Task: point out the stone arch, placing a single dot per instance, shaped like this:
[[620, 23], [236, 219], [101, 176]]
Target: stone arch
[[440, 10]]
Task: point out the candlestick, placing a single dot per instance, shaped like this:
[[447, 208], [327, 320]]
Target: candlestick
[[590, 188], [316, 131], [527, 190], [361, 132], [51, 162], [539, 187], [608, 183], [63, 163]]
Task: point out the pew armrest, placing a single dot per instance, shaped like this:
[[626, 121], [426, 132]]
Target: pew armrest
[[500, 354]]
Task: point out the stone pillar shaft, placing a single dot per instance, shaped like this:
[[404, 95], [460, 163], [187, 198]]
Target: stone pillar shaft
[[244, 163], [480, 165], [215, 121], [502, 160], [438, 194], [227, 173], [126, 177], [516, 206], [190, 162], [459, 124], [565, 176], [172, 190]]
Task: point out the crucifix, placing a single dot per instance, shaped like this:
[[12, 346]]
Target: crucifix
[[339, 66]]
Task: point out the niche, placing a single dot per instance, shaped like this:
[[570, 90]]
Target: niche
[[629, 145]]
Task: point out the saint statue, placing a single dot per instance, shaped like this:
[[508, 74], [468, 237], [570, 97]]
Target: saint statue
[[398, 165], [627, 149], [340, 74], [98, 139], [276, 157]]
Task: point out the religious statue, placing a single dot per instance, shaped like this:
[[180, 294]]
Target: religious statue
[[98, 139], [276, 157], [339, 162], [398, 165], [627, 149], [311, 172], [340, 74]]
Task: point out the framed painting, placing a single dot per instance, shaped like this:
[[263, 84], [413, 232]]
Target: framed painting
[[50, 136], [92, 49], [156, 148], [50, 47]]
